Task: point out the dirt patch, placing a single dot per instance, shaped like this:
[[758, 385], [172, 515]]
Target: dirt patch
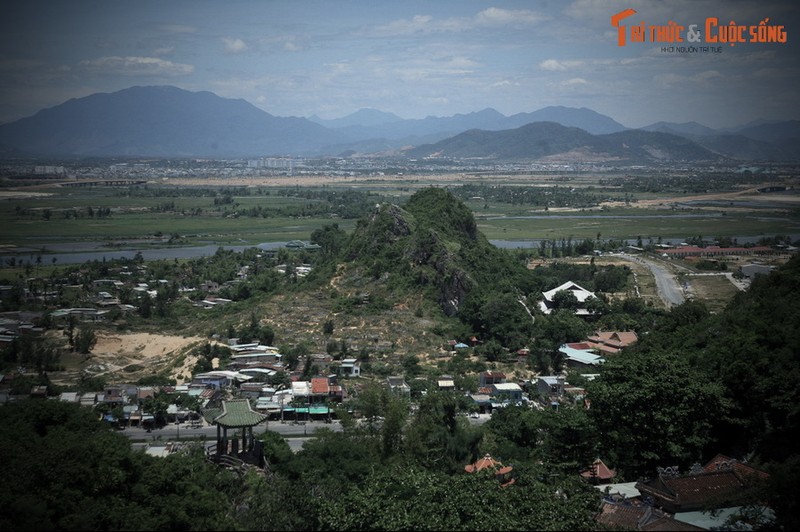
[[130, 356]]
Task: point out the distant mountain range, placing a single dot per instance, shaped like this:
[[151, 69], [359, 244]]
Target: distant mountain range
[[542, 140], [166, 121]]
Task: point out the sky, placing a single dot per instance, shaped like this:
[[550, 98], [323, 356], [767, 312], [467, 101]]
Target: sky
[[412, 58]]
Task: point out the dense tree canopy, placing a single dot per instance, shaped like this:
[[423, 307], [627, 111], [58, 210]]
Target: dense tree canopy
[[653, 409], [64, 469]]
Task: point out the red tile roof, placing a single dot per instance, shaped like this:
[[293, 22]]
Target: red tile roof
[[483, 463], [599, 470], [627, 516], [581, 345], [722, 462], [319, 385], [697, 490]]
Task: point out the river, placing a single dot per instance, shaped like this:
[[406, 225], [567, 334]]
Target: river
[[89, 251]]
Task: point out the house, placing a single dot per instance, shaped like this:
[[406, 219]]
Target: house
[[258, 354], [301, 389], [70, 397], [89, 399], [82, 314], [398, 385], [219, 378], [446, 382], [550, 385], [254, 390], [716, 251], [548, 303], [487, 378], [580, 355], [575, 393], [612, 342], [482, 400], [507, 391], [323, 390], [619, 491], [259, 374], [350, 367]]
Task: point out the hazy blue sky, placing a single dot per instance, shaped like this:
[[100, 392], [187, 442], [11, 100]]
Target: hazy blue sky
[[441, 57]]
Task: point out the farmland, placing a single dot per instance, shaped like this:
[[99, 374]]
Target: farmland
[[531, 207]]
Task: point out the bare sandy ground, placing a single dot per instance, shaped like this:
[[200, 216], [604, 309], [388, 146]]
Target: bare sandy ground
[[153, 351]]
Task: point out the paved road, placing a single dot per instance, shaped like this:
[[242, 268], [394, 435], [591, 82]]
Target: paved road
[[296, 434], [183, 431], [669, 290]]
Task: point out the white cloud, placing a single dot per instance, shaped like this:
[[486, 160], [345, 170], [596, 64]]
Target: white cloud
[[504, 83], [495, 16], [234, 45], [136, 66], [417, 24], [166, 50], [574, 82], [492, 17], [555, 65]]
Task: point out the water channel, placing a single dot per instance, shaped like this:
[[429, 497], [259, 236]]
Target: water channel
[[81, 252]]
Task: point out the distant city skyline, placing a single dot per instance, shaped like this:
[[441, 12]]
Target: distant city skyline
[[411, 58]]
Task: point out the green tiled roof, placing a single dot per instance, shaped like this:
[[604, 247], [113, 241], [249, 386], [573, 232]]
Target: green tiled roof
[[238, 413]]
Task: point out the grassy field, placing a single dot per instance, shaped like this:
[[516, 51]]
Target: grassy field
[[715, 291], [198, 220], [626, 225]]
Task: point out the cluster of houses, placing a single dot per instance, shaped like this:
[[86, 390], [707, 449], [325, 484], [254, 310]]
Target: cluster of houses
[[593, 351]]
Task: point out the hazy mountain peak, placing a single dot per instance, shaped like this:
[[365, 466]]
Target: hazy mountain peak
[[366, 117], [692, 128], [167, 121]]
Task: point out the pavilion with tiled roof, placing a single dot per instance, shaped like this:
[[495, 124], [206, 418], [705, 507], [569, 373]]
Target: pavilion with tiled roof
[[503, 473], [599, 472], [234, 415]]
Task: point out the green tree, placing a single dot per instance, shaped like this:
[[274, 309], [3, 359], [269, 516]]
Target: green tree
[[439, 436], [111, 487], [85, 339], [409, 498], [653, 409]]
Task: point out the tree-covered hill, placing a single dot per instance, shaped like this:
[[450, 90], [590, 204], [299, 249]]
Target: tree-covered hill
[[431, 243], [753, 349]]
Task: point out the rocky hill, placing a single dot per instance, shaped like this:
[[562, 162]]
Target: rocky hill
[[431, 244]]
